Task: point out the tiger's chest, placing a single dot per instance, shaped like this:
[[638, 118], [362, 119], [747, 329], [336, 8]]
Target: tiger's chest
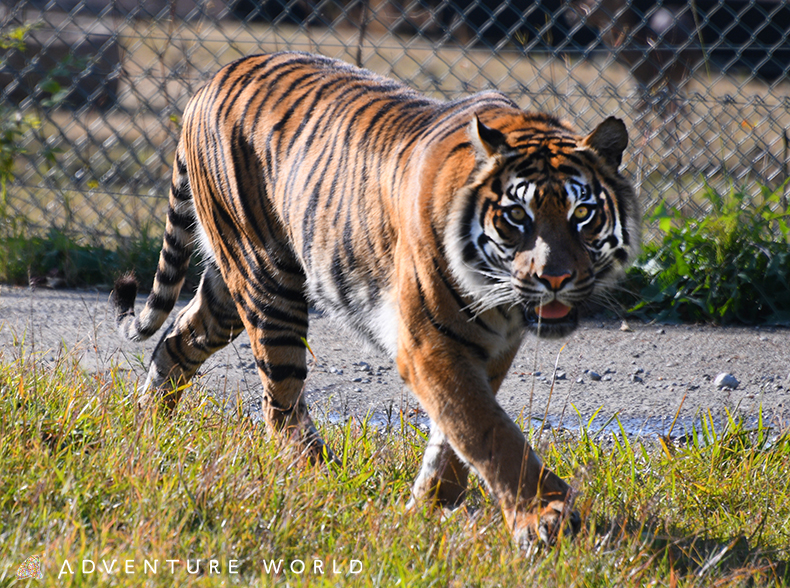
[[371, 309]]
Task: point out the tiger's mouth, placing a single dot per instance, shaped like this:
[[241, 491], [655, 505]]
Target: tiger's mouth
[[554, 310], [551, 320]]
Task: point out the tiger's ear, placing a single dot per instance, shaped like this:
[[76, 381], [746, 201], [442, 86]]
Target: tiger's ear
[[609, 140], [487, 141]]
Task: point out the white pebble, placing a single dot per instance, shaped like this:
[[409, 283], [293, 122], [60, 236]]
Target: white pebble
[[726, 380]]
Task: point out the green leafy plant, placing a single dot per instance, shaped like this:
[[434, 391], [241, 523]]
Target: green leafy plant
[[15, 38], [13, 127], [733, 266]]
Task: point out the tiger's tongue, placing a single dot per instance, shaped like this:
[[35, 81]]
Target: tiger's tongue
[[553, 310]]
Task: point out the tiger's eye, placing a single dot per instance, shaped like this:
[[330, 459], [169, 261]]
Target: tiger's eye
[[581, 212], [517, 213]]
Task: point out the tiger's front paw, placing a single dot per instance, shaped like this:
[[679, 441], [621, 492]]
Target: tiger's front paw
[[546, 525]]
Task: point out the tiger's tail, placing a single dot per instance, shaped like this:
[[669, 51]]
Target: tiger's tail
[[174, 259]]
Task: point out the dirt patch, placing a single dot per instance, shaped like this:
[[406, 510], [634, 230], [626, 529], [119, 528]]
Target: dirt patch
[[642, 375]]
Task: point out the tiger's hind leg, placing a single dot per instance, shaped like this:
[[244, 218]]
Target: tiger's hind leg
[[274, 310], [207, 324]]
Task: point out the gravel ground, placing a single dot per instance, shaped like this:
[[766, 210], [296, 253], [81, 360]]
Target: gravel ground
[[642, 375]]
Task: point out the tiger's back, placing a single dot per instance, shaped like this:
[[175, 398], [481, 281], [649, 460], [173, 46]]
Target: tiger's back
[[330, 151], [440, 231]]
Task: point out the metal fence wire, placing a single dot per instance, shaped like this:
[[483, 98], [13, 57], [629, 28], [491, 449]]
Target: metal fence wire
[[91, 91]]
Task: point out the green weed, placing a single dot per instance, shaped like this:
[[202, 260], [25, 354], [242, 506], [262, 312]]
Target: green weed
[[87, 476], [733, 266]]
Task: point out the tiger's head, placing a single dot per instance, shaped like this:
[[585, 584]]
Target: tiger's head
[[548, 220]]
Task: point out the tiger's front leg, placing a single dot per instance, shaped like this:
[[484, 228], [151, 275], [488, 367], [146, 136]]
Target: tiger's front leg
[[452, 383], [443, 475]]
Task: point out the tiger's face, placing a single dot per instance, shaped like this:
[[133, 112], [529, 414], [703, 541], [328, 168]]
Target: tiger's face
[[548, 223]]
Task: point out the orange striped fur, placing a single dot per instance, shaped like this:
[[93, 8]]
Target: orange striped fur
[[439, 231]]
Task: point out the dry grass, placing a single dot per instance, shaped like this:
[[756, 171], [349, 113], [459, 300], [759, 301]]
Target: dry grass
[[86, 476]]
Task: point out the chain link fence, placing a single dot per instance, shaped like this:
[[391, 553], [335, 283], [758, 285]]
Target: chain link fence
[[91, 91]]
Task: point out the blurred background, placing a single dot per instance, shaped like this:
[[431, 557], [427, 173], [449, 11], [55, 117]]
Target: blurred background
[[92, 91]]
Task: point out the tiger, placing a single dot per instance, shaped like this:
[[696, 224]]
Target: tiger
[[439, 231]]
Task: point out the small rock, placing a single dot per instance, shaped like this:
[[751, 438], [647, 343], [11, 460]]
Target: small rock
[[636, 379], [660, 331], [560, 375], [580, 380], [334, 370], [357, 380], [625, 327], [607, 378], [596, 377], [726, 380], [363, 366]]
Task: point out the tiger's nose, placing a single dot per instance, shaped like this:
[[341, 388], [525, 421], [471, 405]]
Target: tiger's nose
[[555, 282]]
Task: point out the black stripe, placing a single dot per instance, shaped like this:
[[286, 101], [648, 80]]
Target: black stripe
[[279, 373], [244, 160], [146, 332], [476, 349], [169, 277], [470, 252], [318, 93], [261, 311], [181, 191], [159, 302], [181, 166], [180, 220], [339, 279], [281, 341], [176, 258], [439, 270], [175, 347]]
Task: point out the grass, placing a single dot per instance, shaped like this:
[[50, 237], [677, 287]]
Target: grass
[[75, 261], [86, 476]]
